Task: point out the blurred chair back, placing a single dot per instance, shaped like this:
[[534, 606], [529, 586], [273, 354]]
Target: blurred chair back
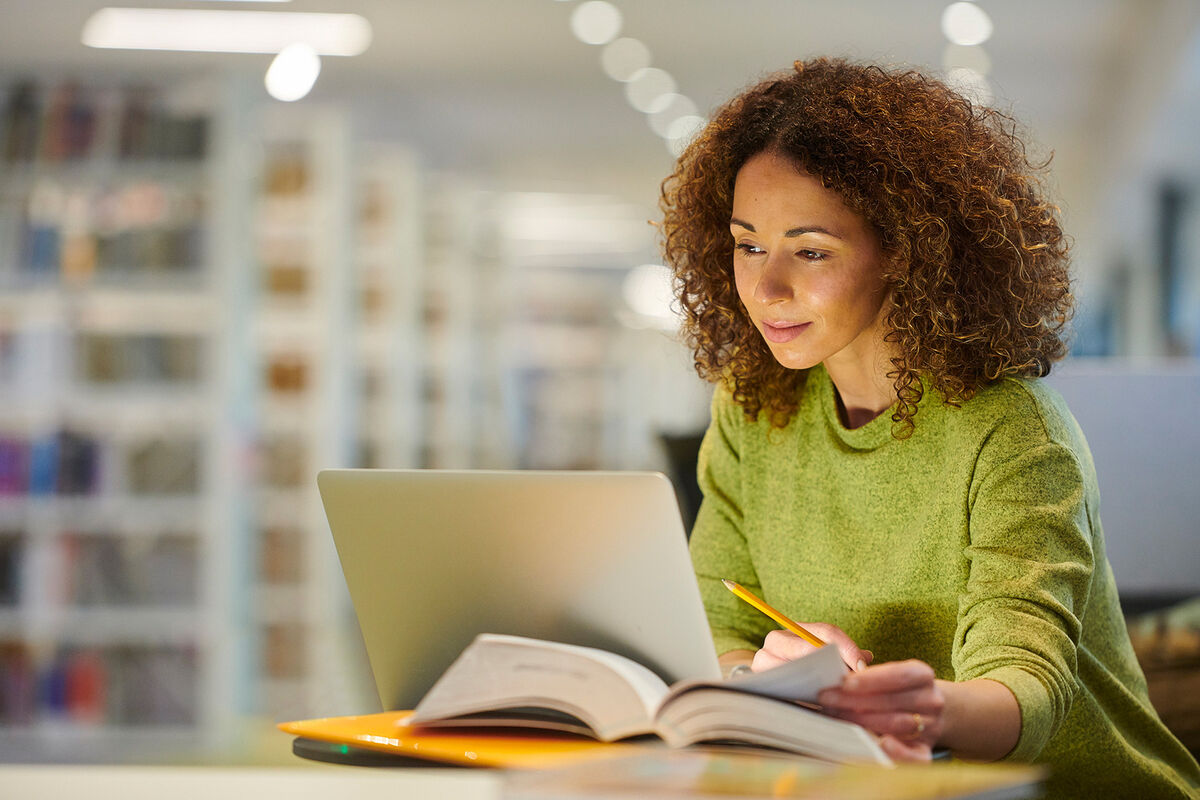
[[682, 451]]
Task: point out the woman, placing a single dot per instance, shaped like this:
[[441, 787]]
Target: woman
[[872, 276]]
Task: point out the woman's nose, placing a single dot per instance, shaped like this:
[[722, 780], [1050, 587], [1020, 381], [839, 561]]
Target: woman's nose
[[774, 282]]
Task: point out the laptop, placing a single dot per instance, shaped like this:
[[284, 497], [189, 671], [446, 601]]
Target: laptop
[[434, 557]]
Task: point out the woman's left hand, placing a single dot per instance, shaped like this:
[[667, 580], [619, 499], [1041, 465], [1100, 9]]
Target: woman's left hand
[[899, 700]]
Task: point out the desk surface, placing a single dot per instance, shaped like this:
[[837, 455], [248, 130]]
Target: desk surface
[[660, 774], [235, 783]]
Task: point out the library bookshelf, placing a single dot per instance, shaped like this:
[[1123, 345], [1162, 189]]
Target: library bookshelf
[[202, 306], [112, 527]]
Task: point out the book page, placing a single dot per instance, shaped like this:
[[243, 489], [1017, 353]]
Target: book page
[[649, 688], [713, 714], [801, 679], [611, 694]]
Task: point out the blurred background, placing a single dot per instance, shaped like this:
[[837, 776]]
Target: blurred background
[[421, 234]]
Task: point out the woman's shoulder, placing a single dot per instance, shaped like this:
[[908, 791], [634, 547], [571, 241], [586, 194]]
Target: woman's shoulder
[[1022, 412]]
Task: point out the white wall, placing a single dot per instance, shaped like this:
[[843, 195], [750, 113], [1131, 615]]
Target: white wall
[[1141, 422]]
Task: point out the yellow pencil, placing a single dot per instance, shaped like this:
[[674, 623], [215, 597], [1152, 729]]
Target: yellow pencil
[[772, 612]]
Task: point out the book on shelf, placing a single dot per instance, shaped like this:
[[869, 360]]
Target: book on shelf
[[512, 681]]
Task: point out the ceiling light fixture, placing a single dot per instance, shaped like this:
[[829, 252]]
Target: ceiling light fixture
[[225, 31], [623, 58], [682, 131], [677, 105], [650, 90], [596, 22], [293, 72], [966, 24]]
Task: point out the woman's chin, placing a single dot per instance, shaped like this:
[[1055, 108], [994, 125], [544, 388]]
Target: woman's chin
[[794, 361]]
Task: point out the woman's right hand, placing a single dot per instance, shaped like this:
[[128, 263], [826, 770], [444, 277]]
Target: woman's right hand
[[781, 646]]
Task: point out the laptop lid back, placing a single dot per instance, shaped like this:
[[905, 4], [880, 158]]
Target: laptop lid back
[[434, 557]]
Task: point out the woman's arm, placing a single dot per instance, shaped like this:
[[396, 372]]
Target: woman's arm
[[1031, 561], [1030, 564], [982, 719], [913, 712], [718, 542], [904, 703]]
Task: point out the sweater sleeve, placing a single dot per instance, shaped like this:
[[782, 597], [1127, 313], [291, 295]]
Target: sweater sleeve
[[718, 542], [1030, 563]]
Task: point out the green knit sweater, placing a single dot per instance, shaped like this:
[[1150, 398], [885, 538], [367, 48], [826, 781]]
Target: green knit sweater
[[974, 545]]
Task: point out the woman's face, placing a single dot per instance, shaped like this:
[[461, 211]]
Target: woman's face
[[807, 268]]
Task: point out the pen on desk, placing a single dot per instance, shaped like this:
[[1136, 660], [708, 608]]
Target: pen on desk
[[777, 615]]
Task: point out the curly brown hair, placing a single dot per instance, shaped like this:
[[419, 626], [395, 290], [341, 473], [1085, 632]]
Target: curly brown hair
[[973, 253]]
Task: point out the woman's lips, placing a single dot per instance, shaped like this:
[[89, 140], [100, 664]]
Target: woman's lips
[[781, 332]]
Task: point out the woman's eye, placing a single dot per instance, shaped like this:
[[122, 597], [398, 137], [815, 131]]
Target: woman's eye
[[749, 249], [812, 255]]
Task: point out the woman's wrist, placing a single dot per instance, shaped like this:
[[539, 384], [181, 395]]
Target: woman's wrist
[[981, 720], [733, 659]]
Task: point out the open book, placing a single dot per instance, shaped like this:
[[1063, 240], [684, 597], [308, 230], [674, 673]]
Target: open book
[[513, 681]]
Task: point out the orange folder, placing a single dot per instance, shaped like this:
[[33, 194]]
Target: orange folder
[[388, 732]]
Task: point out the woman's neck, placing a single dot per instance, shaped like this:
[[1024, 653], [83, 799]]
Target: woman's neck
[[863, 389]]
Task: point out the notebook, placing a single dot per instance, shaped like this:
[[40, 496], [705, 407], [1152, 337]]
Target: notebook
[[434, 557]]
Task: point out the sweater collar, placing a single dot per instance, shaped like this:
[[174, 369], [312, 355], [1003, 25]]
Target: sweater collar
[[874, 434]]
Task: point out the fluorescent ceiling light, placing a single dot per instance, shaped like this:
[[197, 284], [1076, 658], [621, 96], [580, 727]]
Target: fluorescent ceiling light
[[225, 31]]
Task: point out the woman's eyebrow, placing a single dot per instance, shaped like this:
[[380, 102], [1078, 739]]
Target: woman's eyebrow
[[790, 233]]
